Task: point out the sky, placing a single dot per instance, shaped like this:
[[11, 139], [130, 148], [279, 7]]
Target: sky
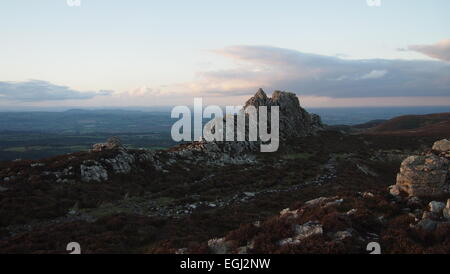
[[117, 53]]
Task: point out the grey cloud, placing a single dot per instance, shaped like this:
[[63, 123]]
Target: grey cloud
[[440, 50], [312, 74], [37, 90]]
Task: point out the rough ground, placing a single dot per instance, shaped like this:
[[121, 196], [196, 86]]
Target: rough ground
[[184, 205]]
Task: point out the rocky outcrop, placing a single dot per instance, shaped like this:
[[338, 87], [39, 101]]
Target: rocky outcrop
[[295, 121], [121, 162], [302, 232], [425, 175], [435, 215], [111, 143], [93, 173]]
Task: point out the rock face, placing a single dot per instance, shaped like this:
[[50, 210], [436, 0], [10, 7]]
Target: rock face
[[294, 120], [95, 173], [425, 175]]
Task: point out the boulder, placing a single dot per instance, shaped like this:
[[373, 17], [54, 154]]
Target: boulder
[[436, 207], [442, 146], [342, 235], [289, 213], [424, 176]]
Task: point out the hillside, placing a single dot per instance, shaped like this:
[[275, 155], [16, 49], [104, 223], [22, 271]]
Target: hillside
[[417, 125]]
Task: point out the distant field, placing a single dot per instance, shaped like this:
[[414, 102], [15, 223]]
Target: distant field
[[40, 145]]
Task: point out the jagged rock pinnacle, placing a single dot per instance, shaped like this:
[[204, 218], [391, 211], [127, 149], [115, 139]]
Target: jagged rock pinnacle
[[259, 99], [261, 94], [294, 120]]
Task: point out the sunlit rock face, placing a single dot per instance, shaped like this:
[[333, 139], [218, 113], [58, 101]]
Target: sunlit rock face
[[426, 175], [442, 147]]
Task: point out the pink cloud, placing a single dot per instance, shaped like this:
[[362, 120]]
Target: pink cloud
[[440, 50]]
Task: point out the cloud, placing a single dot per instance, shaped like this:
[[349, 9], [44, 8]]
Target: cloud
[[440, 50], [144, 91], [37, 90], [374, 74], [318, 75]]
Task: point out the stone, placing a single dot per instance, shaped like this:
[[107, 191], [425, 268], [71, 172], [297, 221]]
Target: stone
[[427, 225], [394, 190], [219, 246], [442, 145], [181, 251], [342, 235], [288, 212], [424, 176], [436, 207], [303, 231], [320, 201], [334, 203], [446, 213]]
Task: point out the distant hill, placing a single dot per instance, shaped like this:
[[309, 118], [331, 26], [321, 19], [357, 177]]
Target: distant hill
[[417, 125], [354, 129]]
